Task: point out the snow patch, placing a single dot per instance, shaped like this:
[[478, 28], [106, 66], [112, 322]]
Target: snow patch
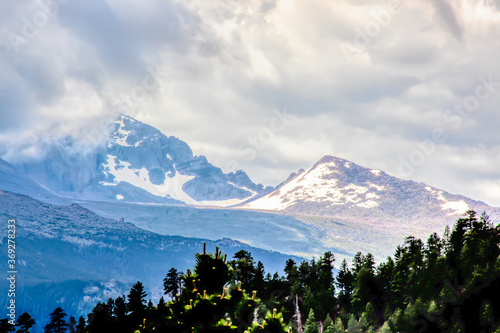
[[457, 207], [368, 204], [121, 135], [316, 185], [123, 172]]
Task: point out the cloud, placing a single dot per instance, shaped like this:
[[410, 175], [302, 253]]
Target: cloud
[[223, 68], [448, 15]]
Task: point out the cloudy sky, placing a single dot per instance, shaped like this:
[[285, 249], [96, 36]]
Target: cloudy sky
[[268, 86]]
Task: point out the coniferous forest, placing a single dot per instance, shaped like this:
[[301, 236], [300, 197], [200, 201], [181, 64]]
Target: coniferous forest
[[447, 283]]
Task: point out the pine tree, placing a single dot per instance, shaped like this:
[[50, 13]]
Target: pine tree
[[371, 317], [258, 282], [328, 325], [81, 325], [72, 324], [6, 326], [353, 325], [243, 267], [311, 324], [345, 279], [339, 326], [136, 299], [211, 272], [172, 282], [291, 270], [25, 323], [120, 309], [57, 322], [323, 288]]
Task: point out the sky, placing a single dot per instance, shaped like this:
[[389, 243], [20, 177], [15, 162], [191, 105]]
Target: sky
[[267, 86]]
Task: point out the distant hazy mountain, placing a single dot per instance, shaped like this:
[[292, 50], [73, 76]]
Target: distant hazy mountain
[[70, 257], [334, 187], [11, 179], [140, 164]]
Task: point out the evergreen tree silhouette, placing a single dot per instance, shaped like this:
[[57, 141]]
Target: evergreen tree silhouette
[[136, 299], [6, 326], [25, 323], [72, 325], [57, 322], [172, 282], [80, 327]]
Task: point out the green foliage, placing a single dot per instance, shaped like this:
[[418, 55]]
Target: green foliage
[[311, 324], [272, 323], [445, 284], [211, 272], [353, 325]]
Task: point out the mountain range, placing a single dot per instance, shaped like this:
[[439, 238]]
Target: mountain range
[[92, 223], [139, 167], [70, 257], [138, 163]]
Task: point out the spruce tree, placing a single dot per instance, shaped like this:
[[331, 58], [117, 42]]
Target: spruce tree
[[80, 327], [258, 282], [120, 308], [311, 324], [57, 322], [172, 282], [243, 267], [72, 324], [25, 323], [136, 299], [6, 326]]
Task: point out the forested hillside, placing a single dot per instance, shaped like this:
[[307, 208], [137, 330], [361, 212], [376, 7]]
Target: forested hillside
[[443, 284]]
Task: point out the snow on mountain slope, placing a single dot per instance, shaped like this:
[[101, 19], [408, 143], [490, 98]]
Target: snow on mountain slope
[[140, 164], [339, 188], [122, 172]]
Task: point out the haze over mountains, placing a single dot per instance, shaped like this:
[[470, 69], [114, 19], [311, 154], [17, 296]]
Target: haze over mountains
[[342, 206], [69, 256], [140, 164]]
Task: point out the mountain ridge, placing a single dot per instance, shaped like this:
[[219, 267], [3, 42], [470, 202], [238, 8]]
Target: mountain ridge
[[140, 164], [335, 187]]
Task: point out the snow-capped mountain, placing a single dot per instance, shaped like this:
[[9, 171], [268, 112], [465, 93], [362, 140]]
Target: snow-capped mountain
[[339, 188], [140, 164]]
